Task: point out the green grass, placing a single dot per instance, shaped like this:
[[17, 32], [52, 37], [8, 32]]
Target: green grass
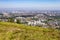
[[14, 31]]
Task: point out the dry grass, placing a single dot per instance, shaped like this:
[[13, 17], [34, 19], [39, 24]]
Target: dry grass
[[13, 31]]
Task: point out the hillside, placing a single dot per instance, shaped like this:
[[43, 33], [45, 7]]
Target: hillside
[[13, 31]]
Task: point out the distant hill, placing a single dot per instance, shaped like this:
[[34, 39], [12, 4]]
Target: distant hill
[[14, 31]]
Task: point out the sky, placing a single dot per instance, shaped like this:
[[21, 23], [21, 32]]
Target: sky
[[31, 4]]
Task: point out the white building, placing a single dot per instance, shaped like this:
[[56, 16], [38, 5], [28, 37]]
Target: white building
[[33, 22], [15, 20]]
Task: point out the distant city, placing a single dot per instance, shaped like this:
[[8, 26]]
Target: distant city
[[43, 18]]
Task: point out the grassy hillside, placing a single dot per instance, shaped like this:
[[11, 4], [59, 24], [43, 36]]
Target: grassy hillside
[[13, 31]]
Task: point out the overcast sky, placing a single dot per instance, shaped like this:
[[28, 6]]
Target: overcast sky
[[35, 4]]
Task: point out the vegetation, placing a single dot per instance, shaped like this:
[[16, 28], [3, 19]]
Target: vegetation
[[14, 31], [11, 20]]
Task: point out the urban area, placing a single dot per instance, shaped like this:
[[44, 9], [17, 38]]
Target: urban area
[[40, 18]]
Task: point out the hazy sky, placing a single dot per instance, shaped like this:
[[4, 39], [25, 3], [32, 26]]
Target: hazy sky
[[35, 4]]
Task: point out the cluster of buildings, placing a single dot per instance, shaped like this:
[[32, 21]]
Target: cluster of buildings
[[37, 19], [40, 20]]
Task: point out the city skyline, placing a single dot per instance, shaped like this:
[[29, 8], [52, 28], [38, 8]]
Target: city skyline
[[31, 4]]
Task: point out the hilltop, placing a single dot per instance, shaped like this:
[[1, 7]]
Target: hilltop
[[14, 31]]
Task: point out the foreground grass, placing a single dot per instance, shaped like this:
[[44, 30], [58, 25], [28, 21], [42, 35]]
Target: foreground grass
[[13, 31]]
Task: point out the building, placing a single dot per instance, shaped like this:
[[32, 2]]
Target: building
[[35, 22]]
